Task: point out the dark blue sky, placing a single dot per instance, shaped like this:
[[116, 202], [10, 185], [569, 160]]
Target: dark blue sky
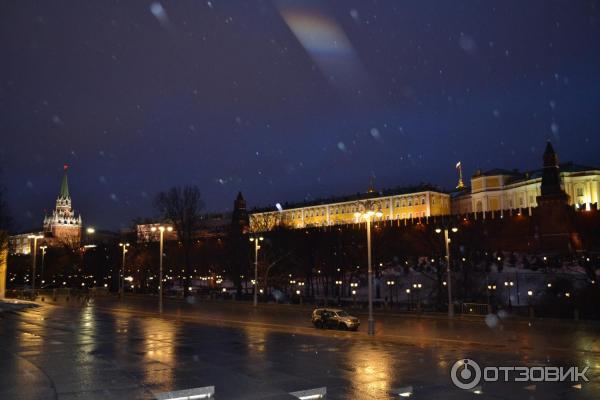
[[284, 100]]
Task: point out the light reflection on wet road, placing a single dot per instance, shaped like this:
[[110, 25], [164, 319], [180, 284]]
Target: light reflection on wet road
[[92, 352]]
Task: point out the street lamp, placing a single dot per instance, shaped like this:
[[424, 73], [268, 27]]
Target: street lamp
[[390, 284], [255, 240], [447, 245], [35, 239], [491, 289], [354, 287], [508, 285], [161, 229], [43, 248], [124, 246], [367, 214]]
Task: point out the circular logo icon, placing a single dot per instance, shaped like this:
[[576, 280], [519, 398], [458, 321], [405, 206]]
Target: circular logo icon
[[465, 374]]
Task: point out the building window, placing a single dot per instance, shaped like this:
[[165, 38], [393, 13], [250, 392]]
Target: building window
[[409, 202], [422, 200], [432, 200], [579, 191]]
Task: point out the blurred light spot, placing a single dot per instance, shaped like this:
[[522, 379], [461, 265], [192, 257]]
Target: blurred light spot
[[375, 133], [467, 43], [159, 12]]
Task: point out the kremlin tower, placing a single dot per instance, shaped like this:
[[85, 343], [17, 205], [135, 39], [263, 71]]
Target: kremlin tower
[[63, 225]]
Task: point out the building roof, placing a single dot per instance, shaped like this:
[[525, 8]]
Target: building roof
[[64, 186], [355, 197], [497, 171], [518, 176]]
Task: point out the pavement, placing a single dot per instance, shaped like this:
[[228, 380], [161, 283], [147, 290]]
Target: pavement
[[108, 349]]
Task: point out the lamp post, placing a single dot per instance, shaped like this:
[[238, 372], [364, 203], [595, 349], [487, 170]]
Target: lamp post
[[448, 269], [390, 284], [530, 303], [417, 288], [338, 283], [508, 285], [43, 248], [367, 215], [299, 291], [354, 287], [35, 239], [491, 288], [124, 246], [255, 240], [161, 229]]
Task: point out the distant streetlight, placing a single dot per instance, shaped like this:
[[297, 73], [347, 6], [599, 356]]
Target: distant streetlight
[[90, 230], [508, 285], [390, 284], [124, 246], [448, 269], [367, 215], [255, 240], [43, 248], [161, 229], [35, 239]]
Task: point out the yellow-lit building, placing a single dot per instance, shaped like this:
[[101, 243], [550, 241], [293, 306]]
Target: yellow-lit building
[[400, 204], [500, 189]]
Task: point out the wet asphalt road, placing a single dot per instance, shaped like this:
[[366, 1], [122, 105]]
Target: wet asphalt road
[[108, 349]]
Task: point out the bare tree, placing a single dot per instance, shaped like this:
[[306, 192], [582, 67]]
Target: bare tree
[[181, 206], [264, 222]]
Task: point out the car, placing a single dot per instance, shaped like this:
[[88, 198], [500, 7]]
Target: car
[[334, 318]]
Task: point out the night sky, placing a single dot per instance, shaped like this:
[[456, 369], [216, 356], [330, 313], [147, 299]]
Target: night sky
[[284, 100]]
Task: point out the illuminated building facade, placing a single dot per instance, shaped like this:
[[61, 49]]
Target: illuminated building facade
[[500, 189], [209, 226], [400, 204]]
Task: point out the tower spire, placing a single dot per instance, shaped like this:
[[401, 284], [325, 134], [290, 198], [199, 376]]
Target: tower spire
[[461, 184], [371, 185], [64, 186]]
